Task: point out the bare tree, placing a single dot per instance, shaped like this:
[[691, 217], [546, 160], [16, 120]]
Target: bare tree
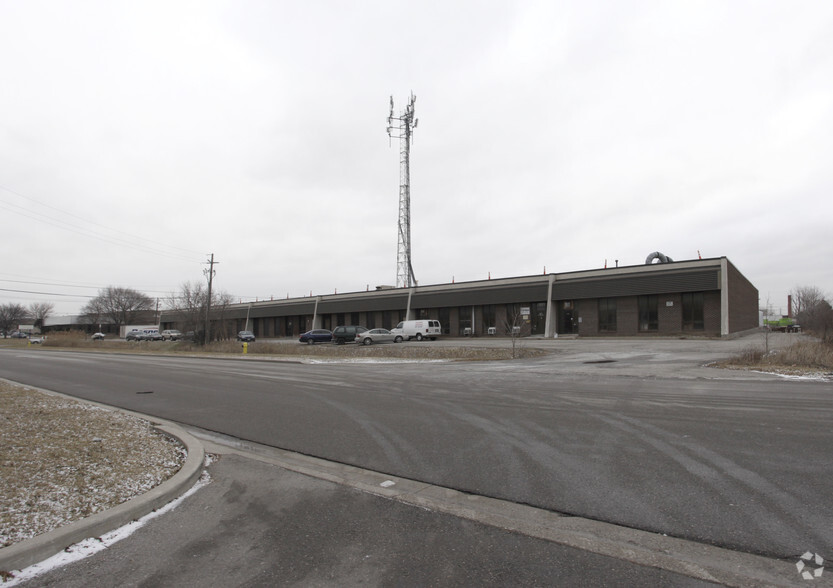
[[11, 315], [813, 311], [516, 326], [817, 318], [40, 311], [221, 302], [122, 306], [805, 298], [189, 308]]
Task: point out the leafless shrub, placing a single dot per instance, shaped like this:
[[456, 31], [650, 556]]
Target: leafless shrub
[[750, 355], [811, 355]]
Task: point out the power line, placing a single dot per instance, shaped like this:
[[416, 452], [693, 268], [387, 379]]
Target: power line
[[135, 241], [47, 293], [47, 284]]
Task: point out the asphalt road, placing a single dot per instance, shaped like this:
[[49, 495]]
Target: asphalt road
[[740, 461], [259, 525]]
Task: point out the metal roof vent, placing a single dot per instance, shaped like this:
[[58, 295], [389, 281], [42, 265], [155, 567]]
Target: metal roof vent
[[657, 255]]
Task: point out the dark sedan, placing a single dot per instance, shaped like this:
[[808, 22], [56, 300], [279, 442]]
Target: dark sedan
[[316, 336], [246, 336]]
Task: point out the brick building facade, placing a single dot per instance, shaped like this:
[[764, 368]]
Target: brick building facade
[[704, 297]]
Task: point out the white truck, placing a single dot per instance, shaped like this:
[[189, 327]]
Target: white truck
[[419, 330]]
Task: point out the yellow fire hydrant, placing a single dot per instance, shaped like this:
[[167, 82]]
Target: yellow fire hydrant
[[245, 347]]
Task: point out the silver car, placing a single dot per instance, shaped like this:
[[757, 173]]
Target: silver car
[[171, 334], [376, 336]]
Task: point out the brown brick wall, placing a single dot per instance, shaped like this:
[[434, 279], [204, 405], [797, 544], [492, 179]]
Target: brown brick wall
[[627, 315], [669, 318], [588, 317], [711, 313], [743, 301]]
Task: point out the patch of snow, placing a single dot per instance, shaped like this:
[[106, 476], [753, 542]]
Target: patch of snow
[[806, 377], [90, 546]]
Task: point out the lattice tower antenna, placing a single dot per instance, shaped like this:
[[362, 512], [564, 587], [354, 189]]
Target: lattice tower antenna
[[402, 128]]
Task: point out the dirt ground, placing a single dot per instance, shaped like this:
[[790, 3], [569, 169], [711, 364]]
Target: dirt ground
[[62, 460]]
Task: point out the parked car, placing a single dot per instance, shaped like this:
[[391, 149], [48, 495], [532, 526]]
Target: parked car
[[133, 335], [19, 335], [171, 335], [419, 330], [246, 336], [35, 339], [98, 336], [342, 335], [316, 336], [377, 336]]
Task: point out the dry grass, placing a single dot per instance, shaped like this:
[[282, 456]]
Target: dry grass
[[69, 339], [423, 351], [802, 357], [62, 460], [292, 348]]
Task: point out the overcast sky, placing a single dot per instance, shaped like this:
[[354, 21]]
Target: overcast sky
[[136, 138]]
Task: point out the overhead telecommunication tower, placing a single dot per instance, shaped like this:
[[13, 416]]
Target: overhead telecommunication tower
[[402, 128]]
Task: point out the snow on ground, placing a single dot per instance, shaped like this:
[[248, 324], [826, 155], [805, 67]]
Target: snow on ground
[[62, 460], [90, 546], [810, 377]]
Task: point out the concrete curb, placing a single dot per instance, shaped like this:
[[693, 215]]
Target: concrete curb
[[680, 556], [34, 550]]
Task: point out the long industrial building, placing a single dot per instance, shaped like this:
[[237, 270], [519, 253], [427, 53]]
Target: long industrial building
[[702, 297]]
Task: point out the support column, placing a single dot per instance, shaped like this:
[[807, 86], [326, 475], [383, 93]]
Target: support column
[[408, 309], [550, 322], [316, 322]]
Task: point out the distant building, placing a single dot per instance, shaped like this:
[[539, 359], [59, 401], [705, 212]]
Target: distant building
[[703, 297], [80, 322]]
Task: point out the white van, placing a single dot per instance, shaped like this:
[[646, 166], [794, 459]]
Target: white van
[[419, 330]]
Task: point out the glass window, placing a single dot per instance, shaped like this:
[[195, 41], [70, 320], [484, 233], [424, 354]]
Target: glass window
[[538, 317], [607, 315], [445, 320], [489, 316], [648, 312], [693, 311], [465, 320]]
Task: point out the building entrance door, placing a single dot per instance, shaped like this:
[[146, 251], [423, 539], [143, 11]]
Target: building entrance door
[[567, 318]]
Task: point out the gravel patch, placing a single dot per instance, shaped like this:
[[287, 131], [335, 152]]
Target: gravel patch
[[62, 460]]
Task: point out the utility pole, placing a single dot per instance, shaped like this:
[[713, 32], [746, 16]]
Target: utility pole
[[210, 274], [403, 129]]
